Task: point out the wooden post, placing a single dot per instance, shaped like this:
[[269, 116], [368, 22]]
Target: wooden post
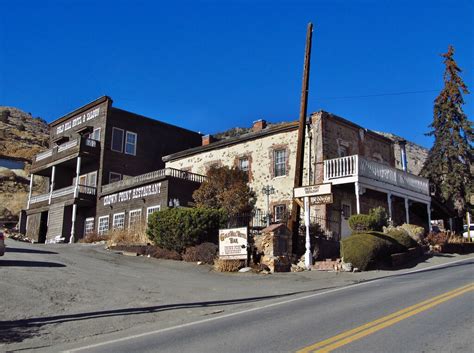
[[31, 189], [295, 210]]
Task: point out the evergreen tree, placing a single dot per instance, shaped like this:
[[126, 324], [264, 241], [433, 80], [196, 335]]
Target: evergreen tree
[[448, 166]]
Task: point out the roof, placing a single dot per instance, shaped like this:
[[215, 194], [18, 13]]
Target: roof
[[233, 140]]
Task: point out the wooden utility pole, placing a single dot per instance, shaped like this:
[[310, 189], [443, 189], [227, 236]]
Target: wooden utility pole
[[295, 208]]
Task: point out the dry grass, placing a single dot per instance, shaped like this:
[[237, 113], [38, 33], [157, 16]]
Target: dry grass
[[94, 238], [135, 235], [221, 265]]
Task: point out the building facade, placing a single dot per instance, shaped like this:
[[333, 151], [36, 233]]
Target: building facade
[[91, 147], [359, 163]]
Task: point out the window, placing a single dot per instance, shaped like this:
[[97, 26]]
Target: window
[[103, 226], [89, 225], [92, 179], [131, 143], [280, 213], [152, 209], [134, 218], [244, 164], [117, 140], [95, 135], [119, 221], [113, 177], [346, 210], [279, 162]]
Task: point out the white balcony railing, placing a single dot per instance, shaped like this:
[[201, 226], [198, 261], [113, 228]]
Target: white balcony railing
[[357, 166], [83, 189]]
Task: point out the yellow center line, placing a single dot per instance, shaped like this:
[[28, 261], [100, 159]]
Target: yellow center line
[[361, 331]]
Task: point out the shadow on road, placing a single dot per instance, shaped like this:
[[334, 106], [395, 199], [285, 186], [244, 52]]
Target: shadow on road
[[29, 251], [26, 263], [18, 330]]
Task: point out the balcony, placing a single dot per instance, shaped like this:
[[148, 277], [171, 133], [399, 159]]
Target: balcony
[[84, 192], [374, 175], [80, 146], [155, 175]]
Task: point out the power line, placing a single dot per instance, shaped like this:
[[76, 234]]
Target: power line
[[380, 94]]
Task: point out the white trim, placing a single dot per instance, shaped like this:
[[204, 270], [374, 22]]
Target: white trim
[[134, 145], [130, 215], [98, 224], [113, 220], [88, 219], [112, 142], [157, 207]]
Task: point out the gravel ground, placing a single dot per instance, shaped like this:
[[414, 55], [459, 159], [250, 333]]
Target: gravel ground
[[51, 295]]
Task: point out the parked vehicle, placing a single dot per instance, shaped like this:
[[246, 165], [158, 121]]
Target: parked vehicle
[[2, 243], [471, 230]]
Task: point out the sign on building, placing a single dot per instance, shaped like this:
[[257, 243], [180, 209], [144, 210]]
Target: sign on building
[[312, 190], [321, 199], [233, 243]]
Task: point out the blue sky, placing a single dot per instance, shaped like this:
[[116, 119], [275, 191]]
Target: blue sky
[[212, 65]]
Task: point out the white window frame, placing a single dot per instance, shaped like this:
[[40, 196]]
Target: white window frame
[[155, 208], [114, 221], [112, 143], [134, 153], [131, 215], [275, 212], [103, 231], [86, 222], [110, 177], [91, 135], [247, 159], [277, 163], [89, 176]]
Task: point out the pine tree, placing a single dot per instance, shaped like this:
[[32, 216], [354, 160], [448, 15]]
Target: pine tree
[[448, 166]]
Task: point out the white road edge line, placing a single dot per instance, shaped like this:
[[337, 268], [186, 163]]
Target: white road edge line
[[258, 308]]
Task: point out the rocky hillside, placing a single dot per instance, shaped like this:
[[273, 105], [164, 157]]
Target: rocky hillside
[[21, 137]]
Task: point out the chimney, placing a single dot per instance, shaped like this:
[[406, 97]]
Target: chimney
[[207, 139], [403, 154], [259, 125]]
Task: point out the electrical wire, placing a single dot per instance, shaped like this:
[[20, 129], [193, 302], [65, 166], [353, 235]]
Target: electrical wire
[[380, 94]]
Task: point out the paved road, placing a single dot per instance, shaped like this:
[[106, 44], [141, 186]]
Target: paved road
[[427, 311]]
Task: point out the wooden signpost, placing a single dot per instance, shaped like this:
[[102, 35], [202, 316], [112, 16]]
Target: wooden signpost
[[321, 194]]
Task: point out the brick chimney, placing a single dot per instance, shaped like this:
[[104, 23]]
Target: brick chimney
[[207, 139], [259, 125]]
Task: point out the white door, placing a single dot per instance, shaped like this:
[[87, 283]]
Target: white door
[[346, 211]]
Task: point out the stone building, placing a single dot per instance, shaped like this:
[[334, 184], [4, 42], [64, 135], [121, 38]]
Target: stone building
[[359, 163], [92, 147]]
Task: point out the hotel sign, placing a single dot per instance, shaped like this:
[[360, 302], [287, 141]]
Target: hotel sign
[[233, 243], [312, 190], [136, 193], [78, 120]]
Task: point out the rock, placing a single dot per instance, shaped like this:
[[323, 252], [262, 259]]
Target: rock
[[199, 263], [245, 269], [129, 253]]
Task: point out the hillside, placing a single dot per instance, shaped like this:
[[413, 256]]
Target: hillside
[[21, 137]]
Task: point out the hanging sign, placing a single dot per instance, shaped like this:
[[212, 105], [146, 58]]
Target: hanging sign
[[321, 199], [312, 190], [233, 243]]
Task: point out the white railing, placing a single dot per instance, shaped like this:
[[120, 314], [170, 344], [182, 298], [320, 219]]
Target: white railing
[[43, 155], [68, 145], [39, 198], [86, 189], [359, 166], [62, 192]]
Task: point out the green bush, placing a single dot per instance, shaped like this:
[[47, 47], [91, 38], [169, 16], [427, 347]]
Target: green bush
[[361, 249], [417, 233], [380, 218], [361, 223], [179, 228], [402, 237]]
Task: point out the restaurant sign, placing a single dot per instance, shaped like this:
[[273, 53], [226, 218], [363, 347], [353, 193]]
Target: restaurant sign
[[233, 243], [136, 193]]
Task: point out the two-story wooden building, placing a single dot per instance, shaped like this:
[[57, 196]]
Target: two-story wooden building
[[92, 146]]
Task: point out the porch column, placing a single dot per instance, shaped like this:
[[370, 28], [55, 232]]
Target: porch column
[[428, 210], [407, 210], [389, 203], [78, 171], [29, 194], [73, 223], [51, 187], [357, 192]]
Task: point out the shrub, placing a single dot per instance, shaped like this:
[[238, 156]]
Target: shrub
[[94, 238], [417, 233], [361, 249], [205, 252], [440, 238], [401, 236], [361, 223], [159, 253], [135, 235], [221, 265], [380, 218], [178, 228]]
